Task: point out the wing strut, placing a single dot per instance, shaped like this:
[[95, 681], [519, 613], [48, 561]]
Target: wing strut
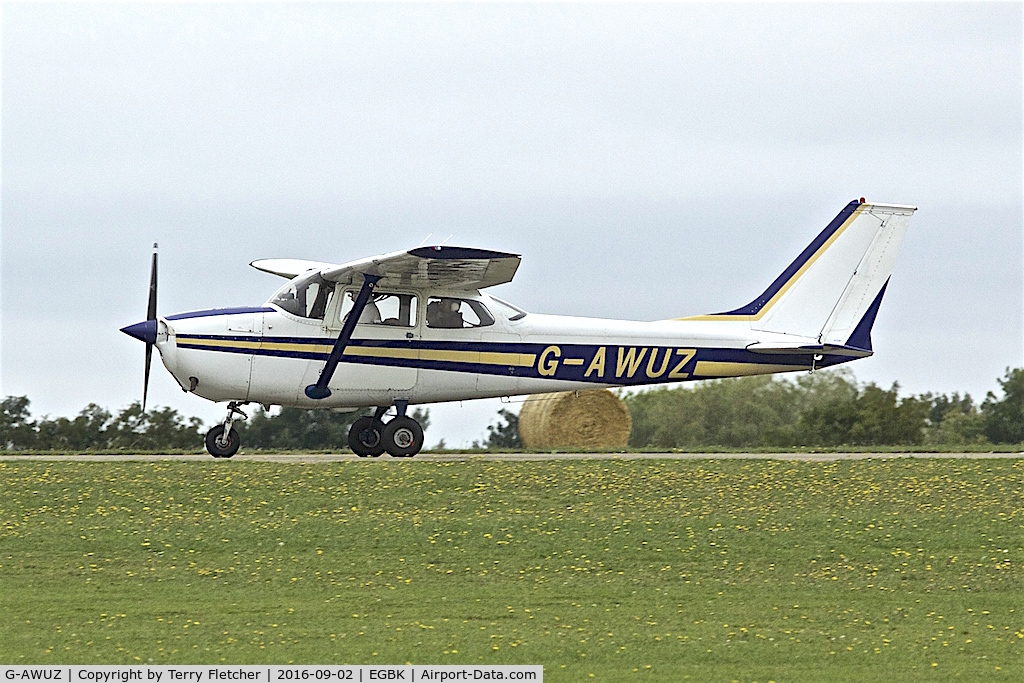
[[319, 390]]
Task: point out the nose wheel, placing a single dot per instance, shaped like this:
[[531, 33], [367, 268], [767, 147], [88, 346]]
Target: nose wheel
[[221, 445], [223, 440], [371, 437]]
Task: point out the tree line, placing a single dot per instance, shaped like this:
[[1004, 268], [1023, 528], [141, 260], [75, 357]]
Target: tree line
[[162, 429], [820, 409], [826, 409], [96, 429]]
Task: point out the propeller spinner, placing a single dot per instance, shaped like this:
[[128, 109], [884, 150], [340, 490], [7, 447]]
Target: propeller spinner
[[146, 331]]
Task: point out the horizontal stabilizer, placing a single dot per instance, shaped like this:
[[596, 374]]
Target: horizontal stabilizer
[[798, 348]]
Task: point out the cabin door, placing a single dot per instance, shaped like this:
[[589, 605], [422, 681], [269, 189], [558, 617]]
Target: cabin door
[[379, 361]]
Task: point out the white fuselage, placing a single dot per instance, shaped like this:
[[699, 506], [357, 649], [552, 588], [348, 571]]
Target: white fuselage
[[267, 355]]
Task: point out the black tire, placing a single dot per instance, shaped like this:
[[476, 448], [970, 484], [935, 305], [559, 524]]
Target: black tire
[[216, 449], [366, 437], [403, 437]]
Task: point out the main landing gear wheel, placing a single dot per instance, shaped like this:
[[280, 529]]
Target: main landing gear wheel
[[403, 437], [366, 437], [221, 446]]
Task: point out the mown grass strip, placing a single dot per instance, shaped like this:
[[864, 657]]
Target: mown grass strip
[[1017, 449], [749, 570]]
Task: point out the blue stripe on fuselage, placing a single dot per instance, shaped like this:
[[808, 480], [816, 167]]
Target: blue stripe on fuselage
[[598, 364]]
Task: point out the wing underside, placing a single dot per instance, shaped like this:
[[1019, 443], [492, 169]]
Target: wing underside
[[438, 267]]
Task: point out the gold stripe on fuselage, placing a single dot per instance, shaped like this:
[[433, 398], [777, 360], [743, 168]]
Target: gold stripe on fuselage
[[297, 348], [222, 343], [519, 360], [711, 368]]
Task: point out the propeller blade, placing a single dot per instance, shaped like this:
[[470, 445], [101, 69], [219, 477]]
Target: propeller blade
[[150, 315], [146, 331], [145, 385], [151, 311]]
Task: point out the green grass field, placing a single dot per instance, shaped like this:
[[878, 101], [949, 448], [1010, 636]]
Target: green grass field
[[703, 570]]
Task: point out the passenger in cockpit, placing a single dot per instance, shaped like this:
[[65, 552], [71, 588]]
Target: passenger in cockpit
[[370, 314]]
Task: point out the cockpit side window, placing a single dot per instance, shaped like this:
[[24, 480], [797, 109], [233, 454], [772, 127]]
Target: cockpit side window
[[306, 296], [385, 308], [444, 312]]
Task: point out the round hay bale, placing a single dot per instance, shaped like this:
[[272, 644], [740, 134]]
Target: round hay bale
[[568, 419]]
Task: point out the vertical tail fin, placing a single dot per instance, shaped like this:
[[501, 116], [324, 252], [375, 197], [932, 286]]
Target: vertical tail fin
[[832, 290]]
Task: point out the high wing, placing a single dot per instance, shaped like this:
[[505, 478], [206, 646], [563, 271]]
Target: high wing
[[441, 267], [288, 267]]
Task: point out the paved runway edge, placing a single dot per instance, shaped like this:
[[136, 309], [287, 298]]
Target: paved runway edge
[[299, 458]]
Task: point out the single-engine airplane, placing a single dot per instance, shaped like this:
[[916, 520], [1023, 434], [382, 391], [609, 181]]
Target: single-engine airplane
[[413, 327]]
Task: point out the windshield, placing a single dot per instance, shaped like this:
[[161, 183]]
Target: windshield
[[306, 296], [508, 310]]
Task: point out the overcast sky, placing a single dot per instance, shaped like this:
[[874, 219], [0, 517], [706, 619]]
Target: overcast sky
[[648, 161]]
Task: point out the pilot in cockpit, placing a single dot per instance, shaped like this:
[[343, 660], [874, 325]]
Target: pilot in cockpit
[[445, 313]]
